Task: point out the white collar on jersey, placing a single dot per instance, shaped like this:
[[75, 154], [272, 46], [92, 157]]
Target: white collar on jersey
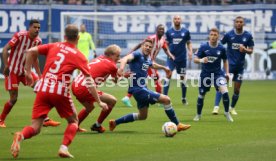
[[237, 33]]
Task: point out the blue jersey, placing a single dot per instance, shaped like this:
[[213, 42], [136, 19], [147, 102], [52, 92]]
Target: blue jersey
[[233, 40], [177, 40], [214, 55], [139, 66]]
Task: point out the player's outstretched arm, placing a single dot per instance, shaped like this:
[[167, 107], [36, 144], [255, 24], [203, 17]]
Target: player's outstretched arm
[[90, 84], [5, 57], [158, 66], [123, 63]]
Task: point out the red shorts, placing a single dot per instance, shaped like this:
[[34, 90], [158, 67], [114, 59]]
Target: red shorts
[[12, 81], [82, 94], [44, 102], [153, 73]]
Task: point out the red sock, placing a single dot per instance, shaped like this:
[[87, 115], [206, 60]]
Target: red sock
[[158, 87], [104, 114], [6, 110], [129, 95], [82, 115], [28, 132], [69, 134]]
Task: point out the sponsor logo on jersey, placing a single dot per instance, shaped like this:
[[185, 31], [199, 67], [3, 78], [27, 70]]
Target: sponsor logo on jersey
[[235, 46], [211, 59], [145, 67], [176, 40]]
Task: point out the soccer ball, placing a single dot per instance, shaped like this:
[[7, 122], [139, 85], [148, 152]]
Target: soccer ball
[[169, 129]]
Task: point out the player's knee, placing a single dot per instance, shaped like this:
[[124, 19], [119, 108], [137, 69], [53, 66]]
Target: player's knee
[[237, 91], [13, 100], [113, 101], [166, 100]]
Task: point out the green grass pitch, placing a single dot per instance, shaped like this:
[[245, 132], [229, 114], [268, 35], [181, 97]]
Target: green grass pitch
[[251, 137]]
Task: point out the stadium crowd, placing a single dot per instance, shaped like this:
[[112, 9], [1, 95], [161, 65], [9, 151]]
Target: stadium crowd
[[139, 2]]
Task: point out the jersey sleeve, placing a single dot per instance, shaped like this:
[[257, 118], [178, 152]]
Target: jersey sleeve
[[200, 52], [188, 35], [113, 71], [43, 49], [223, 53], [14, 40], [224, 39], [136, 55], [250, 42]]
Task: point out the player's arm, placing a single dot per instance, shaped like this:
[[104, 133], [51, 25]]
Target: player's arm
[[36, 67], [136, 47], [168, 52], [31, 58], [248, 50], [190, 49], [226, 68], [158, 66], [91, 86], [123, 62], [200, 56], [92, 45], [5, 57]]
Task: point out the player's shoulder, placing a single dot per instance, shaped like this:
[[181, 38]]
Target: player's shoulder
[[204, 44], [21, 33], [220, 46], [247, 33]]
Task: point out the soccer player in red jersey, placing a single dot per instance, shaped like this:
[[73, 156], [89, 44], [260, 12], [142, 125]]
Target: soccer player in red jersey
[[14, 66], [100, 69], [62, 58], [159, 41]]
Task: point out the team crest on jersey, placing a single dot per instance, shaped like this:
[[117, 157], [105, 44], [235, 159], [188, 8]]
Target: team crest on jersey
[[218, 52], [182, 34], [244, 39]]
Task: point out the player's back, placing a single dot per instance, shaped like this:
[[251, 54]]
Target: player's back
[[61, 60], [19, 43], [100, 69]]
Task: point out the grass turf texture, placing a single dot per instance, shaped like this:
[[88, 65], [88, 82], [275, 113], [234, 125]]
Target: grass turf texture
[[252, 136]]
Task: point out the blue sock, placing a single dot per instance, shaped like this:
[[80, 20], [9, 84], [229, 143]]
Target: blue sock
[[200, 100], [235, 98], [226, 102], [184, 90], [125, 119], [166, 88], [218, 98], [171, 114]]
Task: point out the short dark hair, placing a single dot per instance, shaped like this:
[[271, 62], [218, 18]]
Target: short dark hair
[[239, 17], [71, 32], [33, 21]]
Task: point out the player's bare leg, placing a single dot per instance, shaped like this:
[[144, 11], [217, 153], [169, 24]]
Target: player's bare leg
[[8, 106], [85, 111]]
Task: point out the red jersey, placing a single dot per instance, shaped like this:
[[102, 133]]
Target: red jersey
[[157, 45], [100, 69], [19, 43], [62, 58]]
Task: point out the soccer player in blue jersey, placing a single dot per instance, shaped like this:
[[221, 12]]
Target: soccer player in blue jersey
[[210, 55], [139, 62], [239, 43], [178, 38]]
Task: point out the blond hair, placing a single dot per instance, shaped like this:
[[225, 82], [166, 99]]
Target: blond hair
[[112, 49]]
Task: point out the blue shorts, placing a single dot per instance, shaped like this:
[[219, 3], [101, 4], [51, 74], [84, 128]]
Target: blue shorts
[[180, 66], [206, 81], [237, 73], [144, 97]]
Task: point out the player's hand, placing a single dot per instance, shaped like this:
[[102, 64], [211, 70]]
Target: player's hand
[[127, 74], [205, 60], [29, 79], [6, 71], [168, 72], [103, 106], [242, 48], [172, 57], [120, 72], [227, 76]]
